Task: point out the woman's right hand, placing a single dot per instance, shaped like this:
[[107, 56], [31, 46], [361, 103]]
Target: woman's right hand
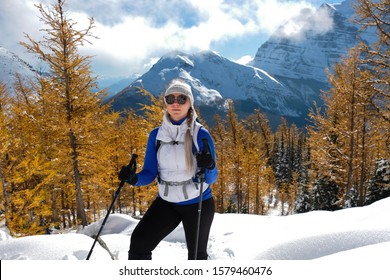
[[127, 175]]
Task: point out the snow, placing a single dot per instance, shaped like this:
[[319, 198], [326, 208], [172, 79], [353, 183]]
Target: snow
[[353, 235], [10, 64]]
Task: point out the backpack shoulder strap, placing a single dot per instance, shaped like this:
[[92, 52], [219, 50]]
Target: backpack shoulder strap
[[197, 127], [158, 144]]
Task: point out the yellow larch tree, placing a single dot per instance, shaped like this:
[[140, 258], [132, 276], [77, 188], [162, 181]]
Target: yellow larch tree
[[221, 187], [5, 140], [374, 15], [348, 138], [79, 109]]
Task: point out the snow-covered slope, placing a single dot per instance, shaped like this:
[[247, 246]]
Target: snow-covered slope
[[10, 64], [347, 235]]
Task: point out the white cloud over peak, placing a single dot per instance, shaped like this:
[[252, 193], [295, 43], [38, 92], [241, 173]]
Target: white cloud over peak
[[317, 21]]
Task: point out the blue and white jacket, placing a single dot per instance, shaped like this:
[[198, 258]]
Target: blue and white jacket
[[167, 162]]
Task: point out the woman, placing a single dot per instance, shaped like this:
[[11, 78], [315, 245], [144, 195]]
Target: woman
[[175, 153]]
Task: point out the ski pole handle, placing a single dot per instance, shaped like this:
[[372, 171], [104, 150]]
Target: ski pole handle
[[205, 151], [133, 166], [133, 163]]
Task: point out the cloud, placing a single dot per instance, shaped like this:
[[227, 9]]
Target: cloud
[[157, 13], [318, 21], [136, 37], [133, 32], [18, 17]]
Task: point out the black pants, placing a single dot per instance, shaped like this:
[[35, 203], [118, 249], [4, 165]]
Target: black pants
[[162, 218]]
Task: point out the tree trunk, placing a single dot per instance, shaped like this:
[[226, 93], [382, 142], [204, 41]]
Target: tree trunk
[[351, 146], [80, 209], [361, 190]]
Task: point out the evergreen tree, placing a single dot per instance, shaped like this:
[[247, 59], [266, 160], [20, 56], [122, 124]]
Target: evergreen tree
[[283, 154], [281, 164], [379, 185], [287, 161], [325, 194], [303, 203], [352, 198]]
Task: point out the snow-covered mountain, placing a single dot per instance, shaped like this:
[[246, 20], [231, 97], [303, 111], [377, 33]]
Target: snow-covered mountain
[[305, 52], [214, 79], [284, 79], [10, 64], [301, 50]]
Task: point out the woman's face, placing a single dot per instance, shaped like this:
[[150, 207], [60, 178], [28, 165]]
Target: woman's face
[[178, 111]]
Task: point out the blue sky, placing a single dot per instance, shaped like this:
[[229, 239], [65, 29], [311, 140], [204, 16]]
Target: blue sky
[[133, 34]]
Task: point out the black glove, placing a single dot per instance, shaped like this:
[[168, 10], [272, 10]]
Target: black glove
[[127, 174], [205, 160]]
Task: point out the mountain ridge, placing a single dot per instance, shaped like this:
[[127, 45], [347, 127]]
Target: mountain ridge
[[11, 64], [214, 80]]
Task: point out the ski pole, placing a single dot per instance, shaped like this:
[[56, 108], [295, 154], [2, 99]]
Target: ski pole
[[201, 173], [132, 166]]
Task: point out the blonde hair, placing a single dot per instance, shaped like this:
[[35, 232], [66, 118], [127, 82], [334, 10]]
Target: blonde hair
[[188, 142]]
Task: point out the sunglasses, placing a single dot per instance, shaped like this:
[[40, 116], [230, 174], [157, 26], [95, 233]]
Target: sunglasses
[[181, 99]]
